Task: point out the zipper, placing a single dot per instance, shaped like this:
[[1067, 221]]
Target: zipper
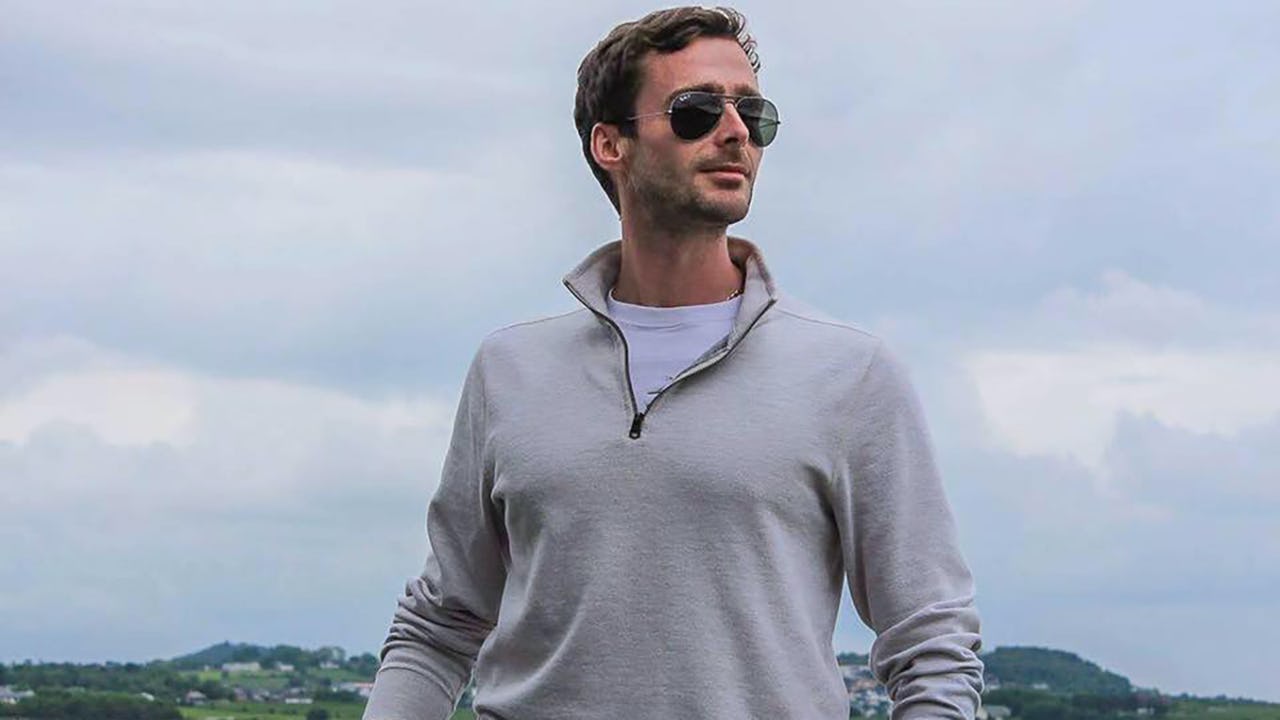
[[637, 416], [637, 419]]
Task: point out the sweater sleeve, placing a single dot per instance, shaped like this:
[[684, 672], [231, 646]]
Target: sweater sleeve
[[448, 610], [907, 578]]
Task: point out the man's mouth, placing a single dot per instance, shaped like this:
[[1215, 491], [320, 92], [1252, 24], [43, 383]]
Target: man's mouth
[[738, 169]]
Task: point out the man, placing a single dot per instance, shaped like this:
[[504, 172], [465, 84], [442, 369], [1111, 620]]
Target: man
[[650, 504]]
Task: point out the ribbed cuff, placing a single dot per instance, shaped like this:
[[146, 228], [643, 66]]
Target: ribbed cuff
[[402, 694]]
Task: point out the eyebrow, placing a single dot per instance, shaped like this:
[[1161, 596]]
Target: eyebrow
[[711, 87]]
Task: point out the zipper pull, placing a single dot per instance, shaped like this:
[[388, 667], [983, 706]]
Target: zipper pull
[[635, 425]]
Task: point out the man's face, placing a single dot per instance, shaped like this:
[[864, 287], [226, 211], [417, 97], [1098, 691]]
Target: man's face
[[669, 176]]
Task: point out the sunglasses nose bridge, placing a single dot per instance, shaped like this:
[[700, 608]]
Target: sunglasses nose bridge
[[738, 123]]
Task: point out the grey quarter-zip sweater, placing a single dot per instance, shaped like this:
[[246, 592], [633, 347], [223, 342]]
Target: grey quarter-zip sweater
[[588, 561]]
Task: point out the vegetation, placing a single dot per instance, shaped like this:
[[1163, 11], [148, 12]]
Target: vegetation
[[1073, 688], [273, 711], [130, 678], [269, 658], [851, 658], [1186, 707], [1060, 671], [89, 705], [1044, 705]]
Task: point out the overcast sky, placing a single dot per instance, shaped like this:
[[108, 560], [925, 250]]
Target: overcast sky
[[247, 249]]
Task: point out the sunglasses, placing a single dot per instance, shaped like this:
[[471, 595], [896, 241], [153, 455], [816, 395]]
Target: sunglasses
[[696, 113]]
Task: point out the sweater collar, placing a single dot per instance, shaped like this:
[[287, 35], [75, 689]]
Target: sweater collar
[[591, 280]]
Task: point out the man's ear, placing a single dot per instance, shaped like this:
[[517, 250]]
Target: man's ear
[[608, 146]]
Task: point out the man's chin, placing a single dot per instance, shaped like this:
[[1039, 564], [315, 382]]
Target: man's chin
[[723, 212]]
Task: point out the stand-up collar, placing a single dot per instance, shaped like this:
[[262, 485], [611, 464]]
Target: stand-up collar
[[596, 274]]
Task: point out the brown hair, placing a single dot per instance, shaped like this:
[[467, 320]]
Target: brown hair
[[610, 75]]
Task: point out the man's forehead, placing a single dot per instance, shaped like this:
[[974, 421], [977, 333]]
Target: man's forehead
[[713, 65]]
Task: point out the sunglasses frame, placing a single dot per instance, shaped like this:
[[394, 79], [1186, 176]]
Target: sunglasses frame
[[723, 98]]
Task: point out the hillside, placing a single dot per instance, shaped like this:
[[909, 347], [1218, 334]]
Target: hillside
[[226, 652], [1057, 670]]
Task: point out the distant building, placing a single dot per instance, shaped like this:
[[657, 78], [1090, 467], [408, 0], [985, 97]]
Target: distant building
[[194, 697], [328, 665], [297, 701], [9, 696], [994, 712], [364, 689], [147, 696], [284, 667], [242, 667]]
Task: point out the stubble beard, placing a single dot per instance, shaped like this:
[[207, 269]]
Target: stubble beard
[[670, 201]]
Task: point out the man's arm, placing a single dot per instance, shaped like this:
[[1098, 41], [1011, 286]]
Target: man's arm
[[907, 578], [447, 612]]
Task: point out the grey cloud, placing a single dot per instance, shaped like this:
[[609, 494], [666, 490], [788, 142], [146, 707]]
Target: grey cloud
[[401, 91], [1230, 479], [947, 163], [366, 277], [955, 160], [1183, 526], [350, 195], [287, 518]]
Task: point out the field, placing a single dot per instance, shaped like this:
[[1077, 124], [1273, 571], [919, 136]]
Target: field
[[277, 711], [1204, 709], [269, 679], [1222, 710]]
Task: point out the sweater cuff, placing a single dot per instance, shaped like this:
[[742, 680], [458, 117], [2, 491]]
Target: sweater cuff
[[402, 694]]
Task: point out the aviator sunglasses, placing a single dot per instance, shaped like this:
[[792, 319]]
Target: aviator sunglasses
[[696, 113]]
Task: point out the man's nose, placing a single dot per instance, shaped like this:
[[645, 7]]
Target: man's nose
[[731, 122]]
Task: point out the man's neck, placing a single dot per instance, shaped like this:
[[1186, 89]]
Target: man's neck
[[664, 268]]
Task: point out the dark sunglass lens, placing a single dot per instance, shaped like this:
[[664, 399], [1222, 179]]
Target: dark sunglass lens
[[761, 118], [695, 114], [763, 133]]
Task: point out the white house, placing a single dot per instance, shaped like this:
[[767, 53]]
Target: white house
[[364, 689], [994, 712], [9, 696]]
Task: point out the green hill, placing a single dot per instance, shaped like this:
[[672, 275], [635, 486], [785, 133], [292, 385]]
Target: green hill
[[225, 652], [216, 655], [1058, 670], [851, 658]]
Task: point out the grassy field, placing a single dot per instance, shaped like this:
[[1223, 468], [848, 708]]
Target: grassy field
[[1182, 710], [270, 679], [262, 680], [269, 711], [276, 711], [1222, 710]]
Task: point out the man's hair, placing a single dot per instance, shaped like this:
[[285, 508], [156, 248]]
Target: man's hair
[[610, 75]]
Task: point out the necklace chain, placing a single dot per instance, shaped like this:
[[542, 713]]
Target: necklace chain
[[733, 295]]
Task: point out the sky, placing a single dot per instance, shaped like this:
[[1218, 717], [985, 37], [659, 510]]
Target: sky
[[248, 249]]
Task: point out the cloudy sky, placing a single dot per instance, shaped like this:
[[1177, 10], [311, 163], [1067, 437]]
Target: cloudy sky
[[247, 249]]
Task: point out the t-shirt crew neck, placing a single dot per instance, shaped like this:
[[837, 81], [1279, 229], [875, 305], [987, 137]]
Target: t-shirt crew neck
[[663, 341], [670, 317]]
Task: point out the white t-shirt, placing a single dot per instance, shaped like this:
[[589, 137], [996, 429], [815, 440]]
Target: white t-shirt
[[663, 341]]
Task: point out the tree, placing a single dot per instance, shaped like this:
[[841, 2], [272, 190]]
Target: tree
[[317, 714]]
